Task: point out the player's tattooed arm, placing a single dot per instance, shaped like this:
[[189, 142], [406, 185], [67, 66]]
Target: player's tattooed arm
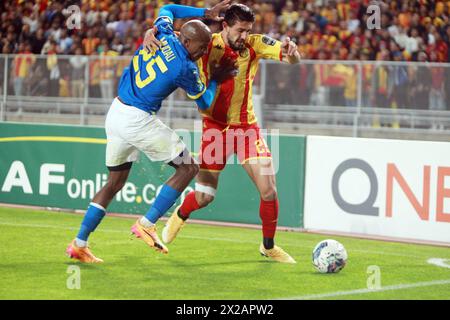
[[290, 51]]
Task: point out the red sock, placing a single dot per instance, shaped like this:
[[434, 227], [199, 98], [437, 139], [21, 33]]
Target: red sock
[[189, 204], [268, 211]]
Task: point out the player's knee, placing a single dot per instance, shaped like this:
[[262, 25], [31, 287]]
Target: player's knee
[[116, 185], [189, 170], [204, 199], [204, 194], [269, 194]]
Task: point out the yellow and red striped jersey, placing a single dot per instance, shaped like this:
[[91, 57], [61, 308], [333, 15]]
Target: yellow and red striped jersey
[[233, 101], [22, 64]]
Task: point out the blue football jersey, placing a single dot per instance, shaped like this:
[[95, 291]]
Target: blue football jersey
[[152, 77]]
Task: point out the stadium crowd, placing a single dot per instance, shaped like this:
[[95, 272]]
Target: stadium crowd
[[323, 29]]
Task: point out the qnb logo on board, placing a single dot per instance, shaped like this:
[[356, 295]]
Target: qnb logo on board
[[393, 174]]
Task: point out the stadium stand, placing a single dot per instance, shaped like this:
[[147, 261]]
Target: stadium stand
[[327, 29], [399, 70]]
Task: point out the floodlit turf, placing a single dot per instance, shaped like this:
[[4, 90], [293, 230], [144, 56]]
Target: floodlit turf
[[205, 262]]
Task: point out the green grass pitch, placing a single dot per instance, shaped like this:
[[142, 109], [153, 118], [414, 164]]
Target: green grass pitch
[[204, 262]]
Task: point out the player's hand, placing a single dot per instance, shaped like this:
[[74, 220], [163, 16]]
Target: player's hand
[[215, 11], [227, 69], [288, 47], [150, 41]]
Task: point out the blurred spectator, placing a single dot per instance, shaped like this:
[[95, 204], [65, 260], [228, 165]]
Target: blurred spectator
[[65, 42], [90, 43], [37, 41], [380, 85], [124, 25], [336, 83], [107, 71], [53, 68], [54, 31], [10, 43], [32, 21], [118, 46], [21, 71], [48, 45], [25, 35], [400, 82], [420, 81], [21, 68], [289, 16], [320, 96], [437, 86], [354, 22], [78, 66], [350, 86], [94, 76]]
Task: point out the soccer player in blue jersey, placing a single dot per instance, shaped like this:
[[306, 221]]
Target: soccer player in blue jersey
[[132, 126]]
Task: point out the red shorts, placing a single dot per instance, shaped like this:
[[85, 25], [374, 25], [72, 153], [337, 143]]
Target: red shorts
[[219, 142]]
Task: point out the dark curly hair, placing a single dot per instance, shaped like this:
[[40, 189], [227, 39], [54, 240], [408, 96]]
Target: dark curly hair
[[239, 12]]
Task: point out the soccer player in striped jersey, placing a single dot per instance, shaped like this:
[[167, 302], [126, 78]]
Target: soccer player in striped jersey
[[232, 114]]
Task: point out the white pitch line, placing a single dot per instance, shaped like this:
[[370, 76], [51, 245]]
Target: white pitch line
[[365, 291], [30, 225], [439, 262]]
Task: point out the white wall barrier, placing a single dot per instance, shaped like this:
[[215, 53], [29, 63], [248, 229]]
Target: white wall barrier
[[378, 187]]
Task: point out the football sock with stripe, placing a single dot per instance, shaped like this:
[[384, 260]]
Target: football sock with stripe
[[268, 212], [268, 243], [91, 220]]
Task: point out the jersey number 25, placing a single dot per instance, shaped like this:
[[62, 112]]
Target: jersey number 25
[[151, 60]]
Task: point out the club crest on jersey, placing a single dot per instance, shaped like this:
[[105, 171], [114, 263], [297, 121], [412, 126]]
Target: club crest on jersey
[[244, 53], [268, 40]]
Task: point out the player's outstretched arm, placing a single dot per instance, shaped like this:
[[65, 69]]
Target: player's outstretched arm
[[175, 11], [290, 51]]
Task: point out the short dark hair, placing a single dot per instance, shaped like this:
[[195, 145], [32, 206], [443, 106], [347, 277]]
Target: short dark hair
[[239, 12]]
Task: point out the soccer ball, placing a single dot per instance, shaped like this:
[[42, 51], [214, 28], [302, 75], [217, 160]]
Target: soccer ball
[[329, 256]]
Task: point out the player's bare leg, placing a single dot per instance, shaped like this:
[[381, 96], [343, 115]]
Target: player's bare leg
[[78, 248], [206, 186], [145, 228], [263, 176], [115, 183]]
